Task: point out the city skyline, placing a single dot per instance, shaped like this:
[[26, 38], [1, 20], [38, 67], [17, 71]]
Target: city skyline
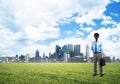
[[27, 25], [73, 54]]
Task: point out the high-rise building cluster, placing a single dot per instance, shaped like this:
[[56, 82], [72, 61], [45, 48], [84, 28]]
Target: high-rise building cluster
[[73, 50], [65, 53], [69, 52]]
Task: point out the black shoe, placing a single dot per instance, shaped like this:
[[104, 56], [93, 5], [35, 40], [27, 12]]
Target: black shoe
[[101, 75], [94, 74]]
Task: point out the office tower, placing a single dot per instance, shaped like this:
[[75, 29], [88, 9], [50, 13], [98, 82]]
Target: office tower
[[87, 53], [37, 56], [27, 58], [77, 50], [113, 59], [65, 49], [70, 50], [57, 48], [17, 58], [59, 52], [44, 56], [70, 47], [49, 54]]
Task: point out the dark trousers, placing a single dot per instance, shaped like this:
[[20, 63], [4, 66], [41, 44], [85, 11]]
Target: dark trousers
[[97, 57]]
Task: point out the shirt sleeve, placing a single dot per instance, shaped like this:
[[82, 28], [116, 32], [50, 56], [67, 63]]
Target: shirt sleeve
[[92, 45], [102, 51]]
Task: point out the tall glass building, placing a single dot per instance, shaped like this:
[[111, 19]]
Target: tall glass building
[[37, 55], [87, 53], [70, 47], [77, 50], [65, 49]]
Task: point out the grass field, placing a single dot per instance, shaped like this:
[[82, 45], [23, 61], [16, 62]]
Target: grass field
[[57, 73]]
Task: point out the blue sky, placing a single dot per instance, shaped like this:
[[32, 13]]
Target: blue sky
[[27, 25]]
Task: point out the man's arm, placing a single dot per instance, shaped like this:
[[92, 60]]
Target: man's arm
[[102, 51], [92, 45]]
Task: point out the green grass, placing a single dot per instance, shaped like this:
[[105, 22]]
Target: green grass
[[57, 73]]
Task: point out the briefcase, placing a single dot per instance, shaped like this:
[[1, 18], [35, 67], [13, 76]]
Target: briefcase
[[102, 62]]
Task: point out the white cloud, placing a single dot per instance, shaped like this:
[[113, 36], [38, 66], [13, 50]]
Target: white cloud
[[114, 14], [41, 32], [32, 48], [90, 15], [29, 12], [8, 41], [69, 32], [88, 29], [79, 33], [8, 38], [108, 20]]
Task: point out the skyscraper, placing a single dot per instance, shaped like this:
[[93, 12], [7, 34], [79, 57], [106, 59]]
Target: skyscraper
[[57, 48], [70, 50], [65, 49], [59, 52], [70, 47], [77, 50], [17, 58], [87, 53], [37, 55], [27, 58]]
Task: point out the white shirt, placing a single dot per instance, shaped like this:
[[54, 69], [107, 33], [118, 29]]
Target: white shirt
[[98, 48]]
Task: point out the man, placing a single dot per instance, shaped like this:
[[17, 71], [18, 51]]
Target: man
[[97, 54]]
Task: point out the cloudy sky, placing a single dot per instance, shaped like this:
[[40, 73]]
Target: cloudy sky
[[27, 25]]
